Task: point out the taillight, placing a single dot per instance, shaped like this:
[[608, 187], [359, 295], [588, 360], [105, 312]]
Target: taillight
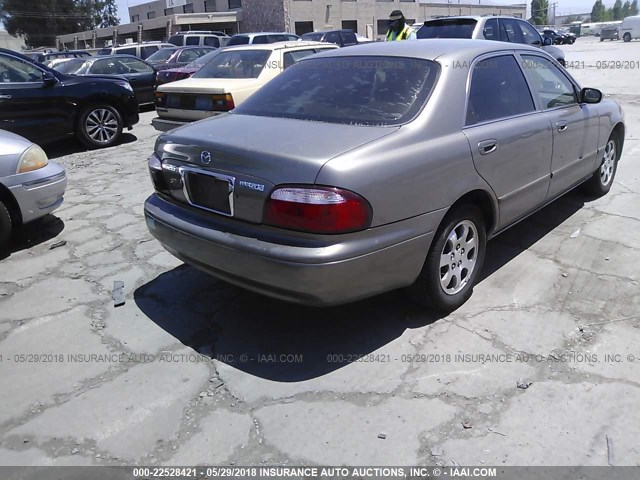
[[161, 99], [157, 177], [317, 209], [222, 102]]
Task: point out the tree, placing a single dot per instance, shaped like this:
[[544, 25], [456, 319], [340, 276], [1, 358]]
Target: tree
[[40, 21], [598, 12], [626, 8], [539, 10], [616, 11], [633, 10]]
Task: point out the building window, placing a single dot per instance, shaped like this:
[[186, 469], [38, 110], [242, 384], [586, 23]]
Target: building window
[[235, 4], [135, 18], [210, 6], [188, 8], [168, 11], [350, 25], [151, 15], [304, 27]]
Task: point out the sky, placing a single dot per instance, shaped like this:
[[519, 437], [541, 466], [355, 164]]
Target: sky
[[564, 7]]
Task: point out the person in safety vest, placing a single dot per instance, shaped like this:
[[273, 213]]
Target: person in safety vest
[[398, 29]]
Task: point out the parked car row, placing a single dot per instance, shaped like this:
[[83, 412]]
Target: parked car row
[[559, 37]]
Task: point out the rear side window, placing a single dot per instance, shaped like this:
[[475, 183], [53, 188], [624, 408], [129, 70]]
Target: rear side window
[[498, 90], [490, 31], [238, 40], [313, 36], [349, 38], [261, 39], [193, 40], [212, 41], [177, 40], [358, 90], [332, 37], [445, 28], [147, 51], [104, 51], [128, 51]]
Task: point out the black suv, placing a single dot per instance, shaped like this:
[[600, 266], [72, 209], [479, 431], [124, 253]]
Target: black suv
[[43, 105], [342, 38]]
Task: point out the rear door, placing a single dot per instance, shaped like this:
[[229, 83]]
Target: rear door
[[510, 139], [575, 126], [28, 107]]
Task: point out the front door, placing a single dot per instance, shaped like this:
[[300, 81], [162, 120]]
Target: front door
[[575, 127]]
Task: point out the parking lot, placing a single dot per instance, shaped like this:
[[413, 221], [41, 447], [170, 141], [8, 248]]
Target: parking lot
[[539, 367]]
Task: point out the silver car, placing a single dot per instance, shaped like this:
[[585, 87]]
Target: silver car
[[31, 186], [368, 169], [497, 27]]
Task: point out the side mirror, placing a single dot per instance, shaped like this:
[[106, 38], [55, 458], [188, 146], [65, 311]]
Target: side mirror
[[49, 79], [590, 95], [547, 41]]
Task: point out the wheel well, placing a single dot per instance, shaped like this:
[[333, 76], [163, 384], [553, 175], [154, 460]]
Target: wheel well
[[619, 130], [482, 200], [9, 201], [113, 102]]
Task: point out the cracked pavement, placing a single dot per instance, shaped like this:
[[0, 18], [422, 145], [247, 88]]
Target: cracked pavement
[[538, 368]]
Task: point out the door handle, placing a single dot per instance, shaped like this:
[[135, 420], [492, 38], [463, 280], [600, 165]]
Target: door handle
[[5, 97], [487, 146], [562, 126]]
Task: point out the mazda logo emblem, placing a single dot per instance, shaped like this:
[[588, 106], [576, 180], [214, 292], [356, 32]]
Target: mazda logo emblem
[[205, 157]]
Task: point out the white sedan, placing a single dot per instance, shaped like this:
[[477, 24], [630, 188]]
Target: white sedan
[[227, 80]]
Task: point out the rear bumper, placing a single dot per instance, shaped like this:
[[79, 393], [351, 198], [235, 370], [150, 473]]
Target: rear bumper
[[165, 124], [41, 193], [323, 272]]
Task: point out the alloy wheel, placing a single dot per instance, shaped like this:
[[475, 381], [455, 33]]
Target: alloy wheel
[[608, 163], [101, 125], [458, 257]]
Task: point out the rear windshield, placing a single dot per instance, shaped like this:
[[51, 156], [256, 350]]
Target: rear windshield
[[203, 60], [70, 66], [357, 90], [104, 51], [235, 64], [161, 55], [446, 28], [238, 40]]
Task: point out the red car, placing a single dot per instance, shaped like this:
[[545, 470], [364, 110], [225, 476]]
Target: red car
[[174, 74]]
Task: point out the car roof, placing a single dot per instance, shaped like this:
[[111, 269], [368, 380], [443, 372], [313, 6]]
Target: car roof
[[431, 49], [118, 56], [278, 45], [254, 34], [332, 30]]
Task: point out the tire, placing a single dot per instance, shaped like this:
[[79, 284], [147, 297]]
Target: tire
[[601, 39], [461, 236], [107, 126], [626, 37], [602, 180], [5, 227]]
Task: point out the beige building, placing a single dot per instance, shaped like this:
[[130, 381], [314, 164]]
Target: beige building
[[158, 19]]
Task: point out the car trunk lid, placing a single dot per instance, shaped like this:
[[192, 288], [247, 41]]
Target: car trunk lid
[[258, 153]]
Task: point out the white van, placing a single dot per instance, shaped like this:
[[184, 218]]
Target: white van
[[630, 28], [199, 38]]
